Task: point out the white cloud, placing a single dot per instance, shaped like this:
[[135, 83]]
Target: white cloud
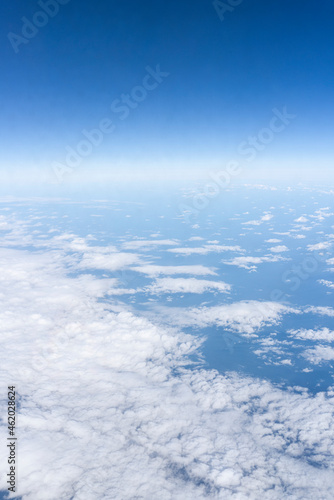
[[248, 262], [111, 262], [319, 246], [323, 311], [206, 249], [319, 354], [244, 317], [279, 248], [301, 219], [110, 409], [147, 244], [186, 285], [309, 334], [327, 283], [264, 218], [155, 270]]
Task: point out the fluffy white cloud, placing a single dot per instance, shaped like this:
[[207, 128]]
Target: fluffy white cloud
[[322, 310], [244, 317], [264, 218], [110, 409], [110, 262], [324, 245], [248, 262], [327, 283], [206, 249], [279, 249], [309, 334], [155, 270], [147, 244], [301, 219], [186, 285], [319, 354]]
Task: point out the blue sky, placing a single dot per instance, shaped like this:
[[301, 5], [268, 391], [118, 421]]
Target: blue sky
[[224, 79]]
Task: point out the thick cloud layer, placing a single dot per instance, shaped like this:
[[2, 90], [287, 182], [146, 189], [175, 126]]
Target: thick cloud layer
[[109, 407]]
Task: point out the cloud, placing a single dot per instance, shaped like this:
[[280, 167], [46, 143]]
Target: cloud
[[309, 334], [206, 249], [147, 244], [264, 218], [327, 283], [109, 407], [111, 262], [279, 248], [301, 219], [244, 317], [248, 262], [319, 246], [155, 270], [186, 285], [322, 310], [319, 354]]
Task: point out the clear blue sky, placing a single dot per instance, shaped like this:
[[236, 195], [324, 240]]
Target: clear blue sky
[[225, 77]]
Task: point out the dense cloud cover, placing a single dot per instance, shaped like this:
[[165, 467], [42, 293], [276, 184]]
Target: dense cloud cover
[[110, 405]]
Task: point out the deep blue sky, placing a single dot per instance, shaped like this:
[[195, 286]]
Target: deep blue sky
[[225, 79]]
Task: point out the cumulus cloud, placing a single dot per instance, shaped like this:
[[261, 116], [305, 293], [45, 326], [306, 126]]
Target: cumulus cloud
[[301, 219], [109, 407], [324, 245], [249, 262], [309, 334], [319, 354], [187, 285], [264, 218], [244, 317], [327, 283], [147, 244], [279, 249], [206, 249], [110, 262], [322, 310], [155, 270]]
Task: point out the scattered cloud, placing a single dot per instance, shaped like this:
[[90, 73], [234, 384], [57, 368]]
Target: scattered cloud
[[155, 270], [309, 334], [206, 249], [187, 285], [279, 249], [319, 354], [244, 317], [248, 262], [147, 244]]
